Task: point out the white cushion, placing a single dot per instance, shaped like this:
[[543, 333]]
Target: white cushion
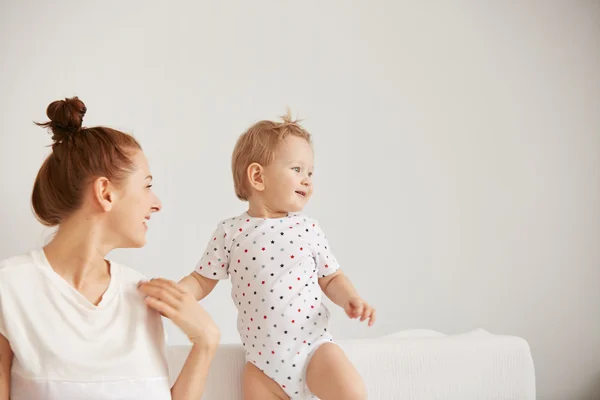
[[408, 365]]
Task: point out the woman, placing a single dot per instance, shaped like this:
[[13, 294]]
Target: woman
[[74, 325]]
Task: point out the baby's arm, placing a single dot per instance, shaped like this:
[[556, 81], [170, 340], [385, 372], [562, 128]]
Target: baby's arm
[[338, 288], [334, 283], [198, 285], [212, 266]]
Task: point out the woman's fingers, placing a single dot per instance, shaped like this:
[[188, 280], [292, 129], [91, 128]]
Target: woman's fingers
[[166, 291], [163, 308], [180, 306], [173, 285]]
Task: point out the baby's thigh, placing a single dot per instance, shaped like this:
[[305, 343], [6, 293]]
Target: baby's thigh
[[331, 375], [258, 386]]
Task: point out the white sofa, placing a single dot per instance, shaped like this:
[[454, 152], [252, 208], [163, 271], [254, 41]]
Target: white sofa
[[408, 365]]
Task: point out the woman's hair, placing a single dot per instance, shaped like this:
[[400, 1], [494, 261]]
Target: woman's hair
[[258, 145], [79, 156]]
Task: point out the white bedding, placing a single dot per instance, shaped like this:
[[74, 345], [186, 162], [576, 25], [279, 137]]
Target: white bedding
[[408, 365]]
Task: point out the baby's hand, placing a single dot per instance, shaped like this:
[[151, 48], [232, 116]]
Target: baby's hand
[[357, 307]]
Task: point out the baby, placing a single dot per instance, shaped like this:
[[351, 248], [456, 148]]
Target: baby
[[280, 264]]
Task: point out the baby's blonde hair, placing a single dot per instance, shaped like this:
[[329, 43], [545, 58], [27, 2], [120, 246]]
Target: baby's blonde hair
[[258, 145]]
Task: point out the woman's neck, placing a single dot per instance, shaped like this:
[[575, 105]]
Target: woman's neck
[[77, 253]]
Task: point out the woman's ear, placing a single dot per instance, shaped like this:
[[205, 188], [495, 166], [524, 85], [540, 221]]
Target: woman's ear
[[255, 176], [102, 193]]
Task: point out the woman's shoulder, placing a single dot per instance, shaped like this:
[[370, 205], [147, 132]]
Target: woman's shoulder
[[128, 274], [19, 259], [17, 264], [20, 274]]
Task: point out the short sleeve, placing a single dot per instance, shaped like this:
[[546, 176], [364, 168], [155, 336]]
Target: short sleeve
[[214, 264], [324, 258]]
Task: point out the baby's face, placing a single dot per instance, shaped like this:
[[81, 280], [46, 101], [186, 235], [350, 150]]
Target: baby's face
[[288, 179]]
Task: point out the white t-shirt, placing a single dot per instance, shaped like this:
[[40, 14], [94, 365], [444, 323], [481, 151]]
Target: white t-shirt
[[67, 348]]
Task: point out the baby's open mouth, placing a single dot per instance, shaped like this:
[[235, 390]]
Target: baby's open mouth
[[303, 194]]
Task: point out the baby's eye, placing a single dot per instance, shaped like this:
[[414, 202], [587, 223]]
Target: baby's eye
[[297, 169], [310, 174]]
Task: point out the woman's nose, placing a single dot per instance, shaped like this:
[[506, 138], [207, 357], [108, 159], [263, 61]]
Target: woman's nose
[[157, 206]]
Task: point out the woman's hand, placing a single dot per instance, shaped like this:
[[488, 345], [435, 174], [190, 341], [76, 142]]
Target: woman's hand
[[180, 306]]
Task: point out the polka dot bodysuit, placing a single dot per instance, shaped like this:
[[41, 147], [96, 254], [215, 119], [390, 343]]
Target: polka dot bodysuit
[[274, 266]]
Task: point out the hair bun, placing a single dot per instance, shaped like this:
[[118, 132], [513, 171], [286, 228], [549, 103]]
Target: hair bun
[[65, 116]]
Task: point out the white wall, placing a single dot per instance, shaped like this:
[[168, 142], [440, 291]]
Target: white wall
[[458, 147]]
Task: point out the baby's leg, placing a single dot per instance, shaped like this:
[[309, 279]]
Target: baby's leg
[[331, 375], [258, 386]]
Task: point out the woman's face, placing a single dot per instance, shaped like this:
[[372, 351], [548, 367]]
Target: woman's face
[[135, 204]]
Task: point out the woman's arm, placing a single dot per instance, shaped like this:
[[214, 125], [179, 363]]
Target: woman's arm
[[191, 381], [180, 306], [6, 356]]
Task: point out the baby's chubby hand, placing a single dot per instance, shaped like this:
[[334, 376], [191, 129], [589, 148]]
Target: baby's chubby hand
[[358, 308]]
